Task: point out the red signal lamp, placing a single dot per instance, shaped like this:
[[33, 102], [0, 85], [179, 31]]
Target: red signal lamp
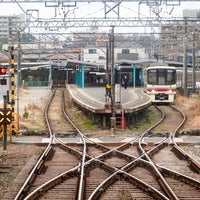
[[3, 70]]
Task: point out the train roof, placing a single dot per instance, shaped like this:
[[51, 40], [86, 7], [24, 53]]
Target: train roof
[[148, 62], [160, 65]]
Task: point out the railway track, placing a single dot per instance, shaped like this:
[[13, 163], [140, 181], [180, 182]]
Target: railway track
[[133, 170]]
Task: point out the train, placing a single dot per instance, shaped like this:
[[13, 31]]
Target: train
[[161, 81], [179, 77]]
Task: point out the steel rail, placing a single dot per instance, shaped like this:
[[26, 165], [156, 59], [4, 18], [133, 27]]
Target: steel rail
[[57, 178], [83, 154], [21, 194], [102, 185], [52, 182], [161, 179], [45, 186], [115, 170], [182, 177], [141, 184], [82, 175], [180, 125], [121, 171], [61, 177], [192, 162], [81, 182]]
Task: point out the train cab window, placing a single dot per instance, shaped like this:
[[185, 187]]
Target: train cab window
[[161, 76], [161, 80], [151, 74]]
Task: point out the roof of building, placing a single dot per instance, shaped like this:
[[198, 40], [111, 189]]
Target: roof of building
[[3, 57]]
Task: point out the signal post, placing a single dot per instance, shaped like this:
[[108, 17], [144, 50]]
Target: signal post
[[12, 102], [7, 114], [5, 119]]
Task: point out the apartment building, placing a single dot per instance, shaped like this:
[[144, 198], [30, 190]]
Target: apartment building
[[174, 38], [8, 24], [98, 54]]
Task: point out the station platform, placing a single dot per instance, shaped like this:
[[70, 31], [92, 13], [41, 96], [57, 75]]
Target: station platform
[[94, 99]]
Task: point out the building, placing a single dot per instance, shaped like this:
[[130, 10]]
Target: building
[[98, 54], [3, 57], [7, 22], [191, 13], [175, 38]]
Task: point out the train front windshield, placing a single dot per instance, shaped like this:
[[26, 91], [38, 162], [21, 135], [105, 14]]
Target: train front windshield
[[161, 76]]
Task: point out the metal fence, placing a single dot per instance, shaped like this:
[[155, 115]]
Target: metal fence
[[36, 83]]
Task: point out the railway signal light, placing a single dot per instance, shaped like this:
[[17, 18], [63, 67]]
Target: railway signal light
[[5, 116], [3, 70]]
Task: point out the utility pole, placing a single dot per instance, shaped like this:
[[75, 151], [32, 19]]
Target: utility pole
[[4, 128], [107, 77], [113, 118], [185, 59], [193, 62], [18, 76], [12, 77], [9, 46]]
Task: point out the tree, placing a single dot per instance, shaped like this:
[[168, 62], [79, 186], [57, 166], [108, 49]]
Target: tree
[[27, 37], [3, 41]]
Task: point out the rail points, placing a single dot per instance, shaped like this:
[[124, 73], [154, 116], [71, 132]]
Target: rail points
[[91, 100]]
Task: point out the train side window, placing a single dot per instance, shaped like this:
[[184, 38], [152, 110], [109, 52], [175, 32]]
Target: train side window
[[171, 77]]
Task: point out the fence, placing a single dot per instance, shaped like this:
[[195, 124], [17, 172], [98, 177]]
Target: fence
[[36, 83]]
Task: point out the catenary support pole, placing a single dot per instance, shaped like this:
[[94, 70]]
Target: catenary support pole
[[12, 91]]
